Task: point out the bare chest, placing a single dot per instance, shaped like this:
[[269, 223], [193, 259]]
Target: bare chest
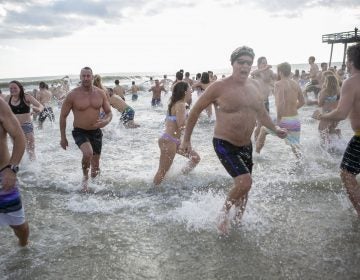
[[84, 102]]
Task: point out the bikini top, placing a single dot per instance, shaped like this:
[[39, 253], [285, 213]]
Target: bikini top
[[171, 118], [331, 99], [22, 108]]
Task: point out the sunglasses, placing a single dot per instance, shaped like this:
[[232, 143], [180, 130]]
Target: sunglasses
[[243, 61]]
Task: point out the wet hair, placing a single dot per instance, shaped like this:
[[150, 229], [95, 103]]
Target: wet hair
[[353, 55], [260, 59], [42, 85], [22, 92], [133, 82], [187, 74], [284, 68], [178, 93], [244, 50], [98, 83], [323, 64], [117, 82], [198, 76], [87, 68], [331, 85], [205, 78], [179, 75], [312, 58]]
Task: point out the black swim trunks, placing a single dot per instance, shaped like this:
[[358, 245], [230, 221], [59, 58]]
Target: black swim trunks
[[351, 158], [93, 136], [47, 113], [236, 160]]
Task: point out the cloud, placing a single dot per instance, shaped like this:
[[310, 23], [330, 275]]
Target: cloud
[[290, 8], [41, 19], [34, 19]]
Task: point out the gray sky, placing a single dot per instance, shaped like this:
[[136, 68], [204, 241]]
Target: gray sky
[[59, 37]]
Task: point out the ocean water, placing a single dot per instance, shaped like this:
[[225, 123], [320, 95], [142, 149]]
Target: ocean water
[[298, 223]]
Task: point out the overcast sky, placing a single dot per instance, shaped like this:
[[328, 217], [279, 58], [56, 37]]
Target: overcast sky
[[55, 37]]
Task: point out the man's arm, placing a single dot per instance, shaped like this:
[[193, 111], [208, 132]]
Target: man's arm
[[301, 99], [207, 98], [13, 128], [65, 110]]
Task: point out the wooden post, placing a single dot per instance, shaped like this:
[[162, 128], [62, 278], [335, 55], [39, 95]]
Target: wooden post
[[332, 46], [345, 48]]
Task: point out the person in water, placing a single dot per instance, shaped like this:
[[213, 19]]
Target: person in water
[[169, 142], [11, 209], [238, 104], [85, 102], [349, 106], [20, 103]]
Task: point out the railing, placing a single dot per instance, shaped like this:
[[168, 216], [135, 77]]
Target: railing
[[344, 37]]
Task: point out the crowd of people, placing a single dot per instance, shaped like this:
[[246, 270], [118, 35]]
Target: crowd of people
[[241, 105]]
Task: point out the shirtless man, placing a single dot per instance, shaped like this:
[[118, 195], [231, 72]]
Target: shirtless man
[[349, 105], [127, 113], [85, 102], [156, 91], [11, 209], [44, 96], [265, 76], [134, 89], [238, 104], [166, 82], [288, 99], [119, 90], [314, 85]]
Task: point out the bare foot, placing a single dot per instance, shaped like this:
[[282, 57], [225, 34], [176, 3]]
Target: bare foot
[[223, 223], [85, 186]]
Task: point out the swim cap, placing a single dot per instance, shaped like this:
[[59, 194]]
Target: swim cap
[[244, 50]]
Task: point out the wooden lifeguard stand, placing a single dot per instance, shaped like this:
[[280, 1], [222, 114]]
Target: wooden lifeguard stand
[[343, 37]]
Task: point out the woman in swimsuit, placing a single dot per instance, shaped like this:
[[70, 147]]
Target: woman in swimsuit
[[169, 142], [20, 102], [328, 100]]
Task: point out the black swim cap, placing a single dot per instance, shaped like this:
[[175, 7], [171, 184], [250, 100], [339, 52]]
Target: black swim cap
[[244, 50]]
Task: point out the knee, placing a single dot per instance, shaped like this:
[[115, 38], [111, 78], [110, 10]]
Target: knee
[[244, 183], [195, 158], [87, 156]]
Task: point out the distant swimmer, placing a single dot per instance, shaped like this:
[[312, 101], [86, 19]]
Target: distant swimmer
[[169, 142], [349, 106], [201, 86], [127, 112], [238, 104], [134, 91], [20, 103], [85, 102], [119, 90], [156, 93], [11, 208], [44, 96], [314, 84], [288, 99]]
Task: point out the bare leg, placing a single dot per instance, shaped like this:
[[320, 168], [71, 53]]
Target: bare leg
[[167, 155], [194, 159], [238, 196], [87, 152], [95, 166], [30, 145], [352, 188], [260, 141], [22, 233]]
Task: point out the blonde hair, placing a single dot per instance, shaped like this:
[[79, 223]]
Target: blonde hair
[[331, 85]]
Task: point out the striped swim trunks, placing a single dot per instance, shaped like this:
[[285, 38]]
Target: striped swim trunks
[[351, 158]]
